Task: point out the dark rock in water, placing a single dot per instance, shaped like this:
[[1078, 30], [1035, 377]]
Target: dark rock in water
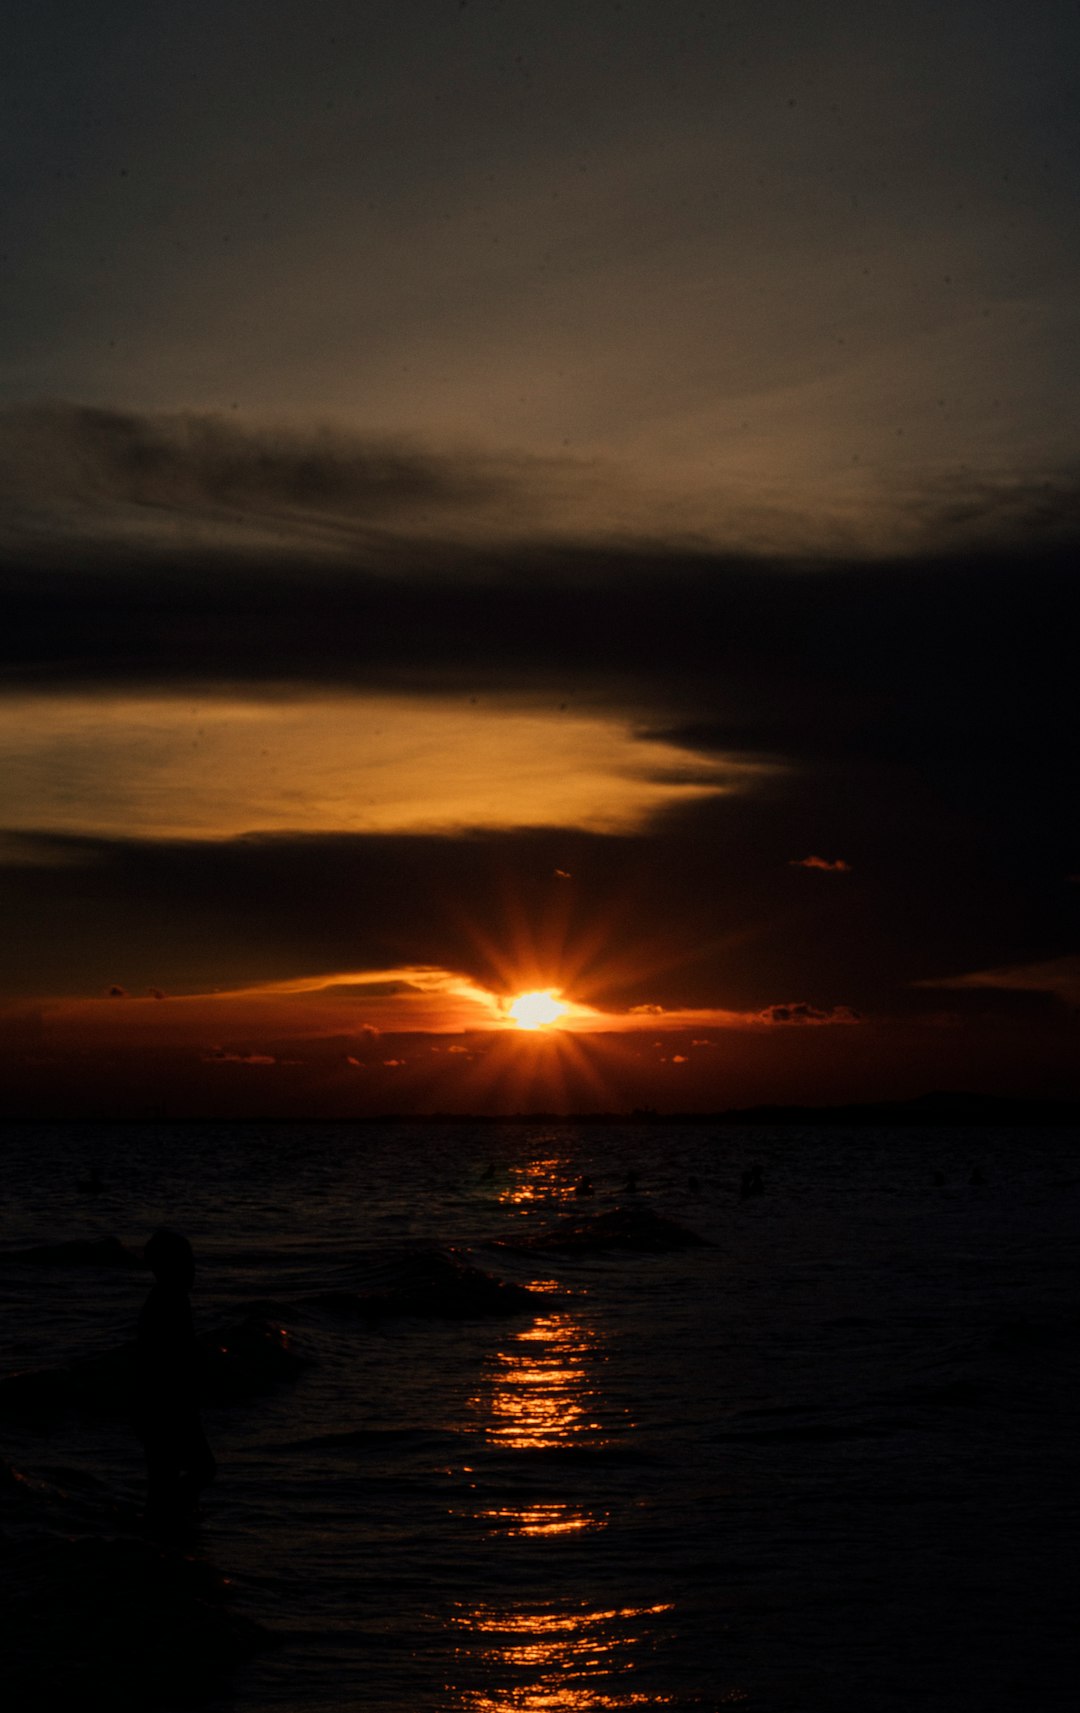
[[241, 1361], [247, 1358], [1022, 1337], [80, 1252], [635, 1228], [434, 1285], [68, 1502], [116, 1621], [101, 1385]]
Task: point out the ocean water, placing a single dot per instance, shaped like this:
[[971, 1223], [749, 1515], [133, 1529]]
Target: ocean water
[[825, 1460]]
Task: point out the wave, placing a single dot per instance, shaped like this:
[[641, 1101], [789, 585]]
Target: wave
[[637, 1229], [432, 1284], [77, 1252], [368, 1439], [241, 1361]]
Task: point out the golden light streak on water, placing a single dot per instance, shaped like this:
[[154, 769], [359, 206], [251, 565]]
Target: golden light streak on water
[[548, 1179], [541, 1394], [553, 1518], [564, 1649]]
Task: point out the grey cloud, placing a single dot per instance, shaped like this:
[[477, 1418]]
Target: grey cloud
[[76, 481], [987, 510], [92, 476], [803, 1013], [1057, 976]]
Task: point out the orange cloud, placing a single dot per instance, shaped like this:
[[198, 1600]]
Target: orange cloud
[[271, 1022], [155, 767], [839, 866], [657, 1017]]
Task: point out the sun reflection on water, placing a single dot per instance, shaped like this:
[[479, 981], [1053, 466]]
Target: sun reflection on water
[[540, 1394], [551, 1517], [547, 1179], [562, 1650]]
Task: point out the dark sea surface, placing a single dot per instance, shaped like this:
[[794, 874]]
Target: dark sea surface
[[825, 1461]]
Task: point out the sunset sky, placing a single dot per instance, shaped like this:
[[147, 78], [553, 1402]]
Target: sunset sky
[[577, 499]]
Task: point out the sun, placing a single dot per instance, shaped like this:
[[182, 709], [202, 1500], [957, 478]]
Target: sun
[[535, 1010]]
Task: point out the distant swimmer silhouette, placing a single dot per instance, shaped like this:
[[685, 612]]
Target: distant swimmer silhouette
[[168, 1380], [751, 1183]]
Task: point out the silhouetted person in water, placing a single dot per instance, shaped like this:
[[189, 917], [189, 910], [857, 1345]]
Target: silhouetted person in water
[[751, 1183], [169, 1371]]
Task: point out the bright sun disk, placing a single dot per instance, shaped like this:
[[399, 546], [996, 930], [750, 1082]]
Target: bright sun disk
[[535, 1010]]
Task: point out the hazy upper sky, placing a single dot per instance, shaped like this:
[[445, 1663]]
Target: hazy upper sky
[[497, 496], [802, 256]]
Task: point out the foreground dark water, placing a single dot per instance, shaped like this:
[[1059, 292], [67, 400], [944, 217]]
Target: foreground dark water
[[826, 1462]]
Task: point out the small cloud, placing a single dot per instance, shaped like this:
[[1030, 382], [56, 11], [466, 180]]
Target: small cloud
[[701, 1043], [392, 1064], [221, 1056], [646, 1011], [349, 1060], [456, 1049], [563, 874], [800, 1012], [839, 866], [1057, 976], [117, 992], [154, 993], [680, 1059]]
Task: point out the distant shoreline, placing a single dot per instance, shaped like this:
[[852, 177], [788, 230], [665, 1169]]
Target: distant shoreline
[[937, 1111], [923, 1110]]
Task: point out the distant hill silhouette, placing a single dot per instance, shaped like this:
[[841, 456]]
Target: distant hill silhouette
[[944, 1107], [932, 1110]]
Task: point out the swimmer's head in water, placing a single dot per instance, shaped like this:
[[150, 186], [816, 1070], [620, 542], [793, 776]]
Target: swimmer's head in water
[[169, 1257]]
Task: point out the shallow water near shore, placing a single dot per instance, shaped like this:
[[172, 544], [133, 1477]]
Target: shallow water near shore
[[823, 1461]]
